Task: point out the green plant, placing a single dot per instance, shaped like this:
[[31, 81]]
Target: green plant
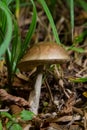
[[82, 3], [72, 17], [45, 7], [18, 47], [75, 40], [26, 115], [5, 28], [1, 125], [13, 122], [79, 80], [51, 5]]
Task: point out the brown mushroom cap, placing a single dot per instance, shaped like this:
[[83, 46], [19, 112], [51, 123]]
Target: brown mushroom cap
[[43, 53]]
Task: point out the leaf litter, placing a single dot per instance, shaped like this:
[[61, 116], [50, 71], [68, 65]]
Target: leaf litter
[[63, 102]]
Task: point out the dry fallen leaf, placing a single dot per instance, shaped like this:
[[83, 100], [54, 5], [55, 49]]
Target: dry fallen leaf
[[4, 96]]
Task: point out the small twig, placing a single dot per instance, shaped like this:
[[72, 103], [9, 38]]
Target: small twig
[[50, 93], [4, 110], [62, 86], [80, 72], [85, 120]]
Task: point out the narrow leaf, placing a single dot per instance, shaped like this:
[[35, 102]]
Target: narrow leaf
[[30, 31], [8, 35], [44, 5]]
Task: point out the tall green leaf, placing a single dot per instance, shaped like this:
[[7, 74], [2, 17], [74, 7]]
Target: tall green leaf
[[1, 125], [72, 16], [46, 9], [30, 31], [83, 4], [4, 45]]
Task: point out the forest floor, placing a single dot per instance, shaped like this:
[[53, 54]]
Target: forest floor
[[63, 99]]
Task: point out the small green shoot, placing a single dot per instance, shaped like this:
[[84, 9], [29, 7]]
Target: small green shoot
[[78, 80], [76, 49], [76, 42], [80, 37]]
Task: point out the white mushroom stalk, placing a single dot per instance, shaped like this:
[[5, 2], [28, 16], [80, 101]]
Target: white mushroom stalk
[[34, 102]]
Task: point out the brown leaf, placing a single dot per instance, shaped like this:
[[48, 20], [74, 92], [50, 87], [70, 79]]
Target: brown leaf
[[4, 96]]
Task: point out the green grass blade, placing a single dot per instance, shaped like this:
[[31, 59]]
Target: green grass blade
[[7, 2], [17, 8], [79, 80], [8, 34], [15, 41], [76, 49], [72, 16], [51, 4], [3, 21], [13, 54], [80, 37], [18, 48], [1, 128], [83, 4], [31, 30], [44, 5]]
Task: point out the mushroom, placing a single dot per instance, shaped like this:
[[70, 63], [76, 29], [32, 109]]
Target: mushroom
[[40, 54]]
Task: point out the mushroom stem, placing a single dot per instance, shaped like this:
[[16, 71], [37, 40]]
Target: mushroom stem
[[35, 95]]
